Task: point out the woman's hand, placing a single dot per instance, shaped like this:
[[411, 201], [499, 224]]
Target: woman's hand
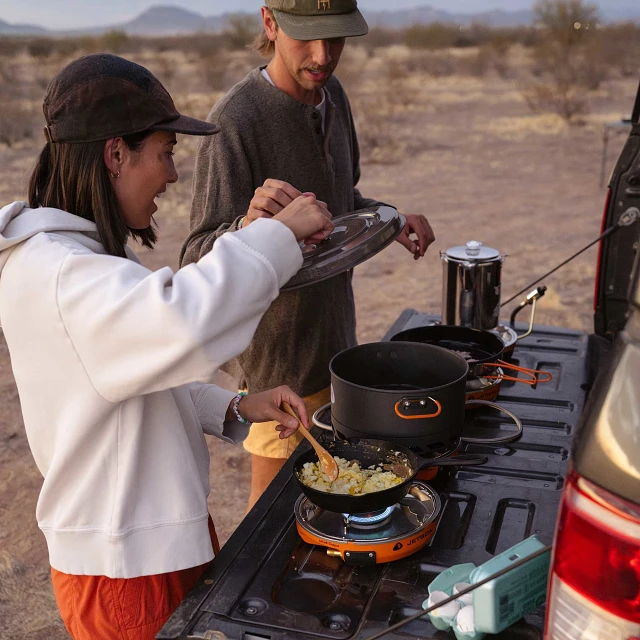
[[308, 218], [265, 407], [270, 199]]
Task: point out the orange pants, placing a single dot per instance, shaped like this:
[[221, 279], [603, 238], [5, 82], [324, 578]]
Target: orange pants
[[101, 608]]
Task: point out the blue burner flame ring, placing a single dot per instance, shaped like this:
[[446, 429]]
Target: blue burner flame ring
[[379, 517]]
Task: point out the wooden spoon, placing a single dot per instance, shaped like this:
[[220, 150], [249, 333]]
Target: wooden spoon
[[328, 465]]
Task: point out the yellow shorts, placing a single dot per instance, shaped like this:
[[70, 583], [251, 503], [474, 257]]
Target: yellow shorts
[[264, 440]]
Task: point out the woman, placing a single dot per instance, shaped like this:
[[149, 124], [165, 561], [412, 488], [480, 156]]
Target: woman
[[111, 360]]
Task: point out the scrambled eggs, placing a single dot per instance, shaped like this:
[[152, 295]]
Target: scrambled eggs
[[352, 480]]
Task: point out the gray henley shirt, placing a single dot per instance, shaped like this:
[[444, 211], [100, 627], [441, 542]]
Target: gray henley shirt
[[267, 134]]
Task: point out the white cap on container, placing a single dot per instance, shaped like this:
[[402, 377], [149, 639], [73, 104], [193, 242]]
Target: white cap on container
[[473, 251]]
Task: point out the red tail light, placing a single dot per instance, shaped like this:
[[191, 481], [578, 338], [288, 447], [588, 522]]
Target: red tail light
[[595, 577], [603, 228]]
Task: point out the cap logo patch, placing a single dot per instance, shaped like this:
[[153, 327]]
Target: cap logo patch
[[324, 5]]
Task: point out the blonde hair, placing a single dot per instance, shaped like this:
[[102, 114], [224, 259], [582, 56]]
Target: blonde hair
[[262, 44]]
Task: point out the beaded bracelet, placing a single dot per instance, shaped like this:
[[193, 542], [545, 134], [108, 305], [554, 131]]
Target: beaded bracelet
[[236, 402]]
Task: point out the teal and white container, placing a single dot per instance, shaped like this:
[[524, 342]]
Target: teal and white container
[[503, 601]]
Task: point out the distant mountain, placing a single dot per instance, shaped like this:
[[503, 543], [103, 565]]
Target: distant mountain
[[164, 20], [427, 15], [172, 20], [159, 20], [7, 29]]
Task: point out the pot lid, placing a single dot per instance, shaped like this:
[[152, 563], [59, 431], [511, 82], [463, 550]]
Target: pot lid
[[356, 237], [473, 251]]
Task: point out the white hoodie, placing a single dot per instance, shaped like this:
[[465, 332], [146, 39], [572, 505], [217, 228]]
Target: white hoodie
[[110, 360]]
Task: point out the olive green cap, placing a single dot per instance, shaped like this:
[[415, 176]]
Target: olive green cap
[[319, 19]]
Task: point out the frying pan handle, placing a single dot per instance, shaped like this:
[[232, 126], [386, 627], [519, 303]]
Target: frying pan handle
[[406, 403], [536, 374], [548, 376], [465, 460]]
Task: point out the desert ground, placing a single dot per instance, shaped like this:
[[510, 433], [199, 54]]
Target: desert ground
[[460, 146]]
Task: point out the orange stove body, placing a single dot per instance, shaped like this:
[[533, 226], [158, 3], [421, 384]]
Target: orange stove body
[[384, 551]]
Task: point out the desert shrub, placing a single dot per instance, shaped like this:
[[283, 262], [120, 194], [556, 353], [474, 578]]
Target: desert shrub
[[67, 47], [352, 68], [477, 64], [241, 30], [8, 76], [115, 41], [616, 43], [438, 64], [497, 51], [566, 22], [473, 35], [564, 98], [17, 123], [200, 44], [81, 45], [379, 139], [11, 46], [40, 47], [378, 38], [431, 36], [566, 61], [444, 36], [213, 68]]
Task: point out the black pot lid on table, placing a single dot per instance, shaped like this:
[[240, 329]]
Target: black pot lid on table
[[357, 237]]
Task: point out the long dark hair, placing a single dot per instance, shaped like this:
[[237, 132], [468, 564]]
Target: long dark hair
[[74, 178]]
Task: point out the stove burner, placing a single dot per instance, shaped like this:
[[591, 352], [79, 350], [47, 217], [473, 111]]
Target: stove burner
[[366, 520], [381, 536]]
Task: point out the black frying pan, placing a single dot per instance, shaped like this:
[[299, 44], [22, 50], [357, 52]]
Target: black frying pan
[[388, 455], [483, 351]]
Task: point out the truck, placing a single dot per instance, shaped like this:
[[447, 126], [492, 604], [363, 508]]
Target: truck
[[572, 479]]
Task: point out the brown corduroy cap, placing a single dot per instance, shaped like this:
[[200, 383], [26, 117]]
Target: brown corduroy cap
[[102, 96]]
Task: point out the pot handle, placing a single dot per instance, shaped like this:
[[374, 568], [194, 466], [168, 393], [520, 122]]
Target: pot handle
[[464, 460], [316, 418], [407, 402], [509, 438], [534, 373]]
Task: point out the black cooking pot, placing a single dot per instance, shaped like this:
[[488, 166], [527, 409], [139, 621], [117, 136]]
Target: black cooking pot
[[406, 391]]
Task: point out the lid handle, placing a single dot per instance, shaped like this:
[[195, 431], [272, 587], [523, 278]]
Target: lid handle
[[473, 248]]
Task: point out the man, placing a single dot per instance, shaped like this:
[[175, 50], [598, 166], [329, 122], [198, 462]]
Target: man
[[287, 129]]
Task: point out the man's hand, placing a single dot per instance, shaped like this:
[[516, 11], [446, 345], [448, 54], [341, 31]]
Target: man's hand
[[265, 407], [419, 226]]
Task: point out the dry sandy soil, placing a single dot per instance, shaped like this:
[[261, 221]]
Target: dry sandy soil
[[463, 150]]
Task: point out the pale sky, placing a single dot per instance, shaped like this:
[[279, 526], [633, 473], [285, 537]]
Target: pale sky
[[70, 14]]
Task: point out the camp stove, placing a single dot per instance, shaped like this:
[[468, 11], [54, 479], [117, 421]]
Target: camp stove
[[269, 583], [370, 538]]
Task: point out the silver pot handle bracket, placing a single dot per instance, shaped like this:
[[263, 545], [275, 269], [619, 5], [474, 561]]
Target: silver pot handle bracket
[[316, 418], [502, 440]]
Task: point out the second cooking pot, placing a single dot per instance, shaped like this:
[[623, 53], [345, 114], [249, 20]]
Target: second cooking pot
[[413, 391]]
